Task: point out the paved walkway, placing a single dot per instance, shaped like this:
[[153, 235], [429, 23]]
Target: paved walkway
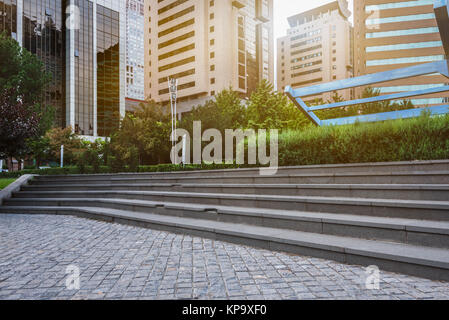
[[125, 262]]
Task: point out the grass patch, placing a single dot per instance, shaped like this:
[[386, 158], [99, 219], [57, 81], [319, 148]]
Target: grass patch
[[5, 182], [422, 138]]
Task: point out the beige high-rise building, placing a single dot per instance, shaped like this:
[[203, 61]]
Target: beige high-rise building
[[392, 34], [208, 46], [317, 49]]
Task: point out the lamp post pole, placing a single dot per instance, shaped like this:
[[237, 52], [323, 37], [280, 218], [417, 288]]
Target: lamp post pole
[[62, 156], [173, 89]]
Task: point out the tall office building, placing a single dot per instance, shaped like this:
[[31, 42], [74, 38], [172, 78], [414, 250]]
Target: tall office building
[[135, 51], [317, 49], [392, 34], [82, 45], [208, 46]]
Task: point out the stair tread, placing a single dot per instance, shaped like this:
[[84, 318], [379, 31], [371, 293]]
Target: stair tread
[[430, 226], [434, 204], [268, 185], [428, 256], [141, 176]]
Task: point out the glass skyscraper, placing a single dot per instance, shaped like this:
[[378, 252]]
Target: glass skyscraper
[[86, 59]]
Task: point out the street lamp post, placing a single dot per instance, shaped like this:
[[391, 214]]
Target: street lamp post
[[173, 89]]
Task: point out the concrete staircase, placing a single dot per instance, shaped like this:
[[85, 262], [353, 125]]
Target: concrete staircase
[[393, 215]]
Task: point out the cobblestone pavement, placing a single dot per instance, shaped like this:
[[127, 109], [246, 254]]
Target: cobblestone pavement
[[124, 262]]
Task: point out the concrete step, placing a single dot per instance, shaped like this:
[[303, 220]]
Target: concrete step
[[436, 192], [415, 260], [419, 232], [410, 209], [400, 166], [415, 177]]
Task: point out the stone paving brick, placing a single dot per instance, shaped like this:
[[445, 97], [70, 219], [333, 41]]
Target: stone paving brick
[[124, 262]]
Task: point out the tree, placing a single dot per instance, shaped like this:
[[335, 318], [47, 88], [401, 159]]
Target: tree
[[147, 130], [22, 70], [73, 145], [226, 112], [268, 109], [368, 108], [22, 83], [18, 123]]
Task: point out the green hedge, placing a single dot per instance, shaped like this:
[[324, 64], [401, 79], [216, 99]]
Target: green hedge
[[106, 169], [422, 138]]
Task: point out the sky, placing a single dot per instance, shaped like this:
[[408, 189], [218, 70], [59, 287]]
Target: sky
[[286, 8]]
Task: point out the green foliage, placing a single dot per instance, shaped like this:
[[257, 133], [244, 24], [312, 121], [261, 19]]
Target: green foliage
[[148, 130], [121, 168], [40, 149], [21, 69], [116, 164], [367, 108], [23, 77], [268, 109], [226, 112], [423, 138], [73, 145], [133, 159]]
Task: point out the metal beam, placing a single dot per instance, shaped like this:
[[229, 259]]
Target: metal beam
[[394, 96], [302, 107], [392, 115], [397, 74]]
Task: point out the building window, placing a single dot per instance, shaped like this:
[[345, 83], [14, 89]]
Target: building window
[[212, 55], [405, 46], [211, 3], [212, 67], [212, 29], [211, 16], [397, 33], [212, 81], [412, 17], [212, 42], [383, 62], [395, 5]]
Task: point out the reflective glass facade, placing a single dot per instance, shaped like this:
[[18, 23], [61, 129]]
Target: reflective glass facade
[[396, 33], [84, 64], [396, 5], [8, 16], [108, 73], [405, 46], [409, 87], [43, 35], [135, 51], [250, 36], [412, 17], [383, 62]]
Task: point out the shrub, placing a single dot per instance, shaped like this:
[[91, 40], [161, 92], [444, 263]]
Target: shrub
[[422, 138]]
